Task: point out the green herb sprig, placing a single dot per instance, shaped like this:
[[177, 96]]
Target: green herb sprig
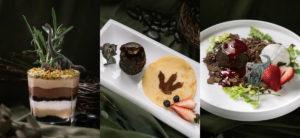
[[41, 44], [294, 53], [249, 94], [214, 44], [258, 34]]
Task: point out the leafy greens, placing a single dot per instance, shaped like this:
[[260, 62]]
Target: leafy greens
[[258, 34]]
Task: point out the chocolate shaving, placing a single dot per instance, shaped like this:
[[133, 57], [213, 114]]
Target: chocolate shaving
[[168, 87]]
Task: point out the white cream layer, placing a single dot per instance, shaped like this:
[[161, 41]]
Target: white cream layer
[[55, 105]]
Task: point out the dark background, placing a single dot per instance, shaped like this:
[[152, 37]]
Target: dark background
[[81, 44], [281, 12]]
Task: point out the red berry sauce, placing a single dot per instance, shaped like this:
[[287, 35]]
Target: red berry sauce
[[233, 48]]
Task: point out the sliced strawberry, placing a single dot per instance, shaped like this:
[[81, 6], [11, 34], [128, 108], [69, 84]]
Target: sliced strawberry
[[286, 73], [271, 77], [185, 113], [187, 103]]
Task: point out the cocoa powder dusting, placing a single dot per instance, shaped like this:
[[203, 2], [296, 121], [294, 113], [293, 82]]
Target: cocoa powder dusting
[[168, 87]]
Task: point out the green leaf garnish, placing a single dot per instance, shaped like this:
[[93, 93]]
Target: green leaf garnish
[[212, 40], [224, 38], [294, 53], [258, 34], [249, 94], [221, 39]]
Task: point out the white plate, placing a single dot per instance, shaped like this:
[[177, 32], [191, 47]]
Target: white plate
[[130, 87], [213, 98]]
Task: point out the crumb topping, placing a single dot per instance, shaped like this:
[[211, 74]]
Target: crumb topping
[[52, 75]]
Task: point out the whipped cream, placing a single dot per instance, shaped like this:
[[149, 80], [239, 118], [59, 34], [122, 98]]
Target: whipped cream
[[277, 53]]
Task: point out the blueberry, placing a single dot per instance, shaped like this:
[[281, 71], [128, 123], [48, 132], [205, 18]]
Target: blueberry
[[176, 98], [167, 103]]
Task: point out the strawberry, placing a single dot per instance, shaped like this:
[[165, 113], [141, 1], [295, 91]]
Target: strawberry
[[185, 113], [286, 73], [187, 103], [271, 77]]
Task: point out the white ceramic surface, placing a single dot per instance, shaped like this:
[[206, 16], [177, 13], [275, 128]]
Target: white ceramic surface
[[130, 87], [213, 98]]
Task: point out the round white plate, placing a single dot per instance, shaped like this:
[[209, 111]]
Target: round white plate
[[213, 98]]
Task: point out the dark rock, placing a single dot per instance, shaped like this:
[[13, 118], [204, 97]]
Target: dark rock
[[153, 14], [146, 30], [154, 27], [138, 9], [146, 16], [165, 22], [167, 34], [140, 18], [164, 29], [173, 23], [193, 11], [153, 34], [178, 37], [158, 17], [172, 30], [156, 22], [132, 14], [145, 12], [198, 18], [148, 20]]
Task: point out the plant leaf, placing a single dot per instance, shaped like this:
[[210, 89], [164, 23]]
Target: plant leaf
[[27, 24], [54, 21], [55, 60], [33, 123], [63, 33]]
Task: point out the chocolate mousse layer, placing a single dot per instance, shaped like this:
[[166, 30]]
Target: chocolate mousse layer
[[53, 89], [53, 93]]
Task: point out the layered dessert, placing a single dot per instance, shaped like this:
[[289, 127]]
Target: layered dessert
[[53, 94], [53, 85]]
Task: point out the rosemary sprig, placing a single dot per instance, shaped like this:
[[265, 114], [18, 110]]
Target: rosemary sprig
[[41, 43]]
